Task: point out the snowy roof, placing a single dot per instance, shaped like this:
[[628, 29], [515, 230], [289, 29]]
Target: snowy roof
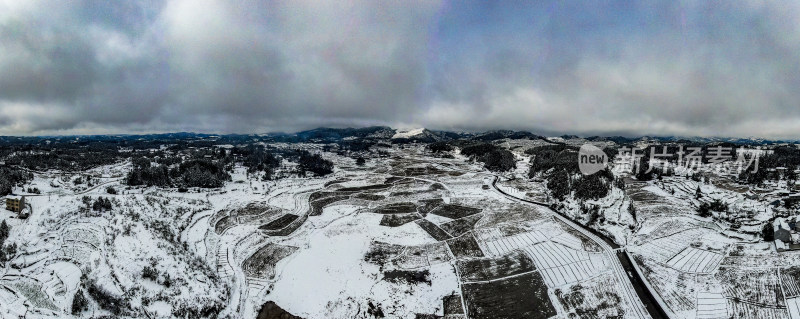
[[14, 197], [780, 223]]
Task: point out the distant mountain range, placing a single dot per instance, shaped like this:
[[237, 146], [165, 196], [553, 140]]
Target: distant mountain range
[[424, 135], [419, 135]]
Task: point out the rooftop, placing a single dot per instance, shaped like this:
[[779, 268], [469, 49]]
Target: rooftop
[[780, 223]]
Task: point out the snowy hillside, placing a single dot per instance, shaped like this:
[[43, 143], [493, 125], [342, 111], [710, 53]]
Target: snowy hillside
[[409, 133]]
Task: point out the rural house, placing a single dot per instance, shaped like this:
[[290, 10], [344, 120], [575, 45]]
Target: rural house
[[783, 231]]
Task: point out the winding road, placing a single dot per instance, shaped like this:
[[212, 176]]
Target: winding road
[[644, 303]]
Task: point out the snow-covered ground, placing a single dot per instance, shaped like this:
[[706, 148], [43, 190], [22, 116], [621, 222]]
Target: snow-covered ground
[[348, 246], [408, 133], [710, 267]]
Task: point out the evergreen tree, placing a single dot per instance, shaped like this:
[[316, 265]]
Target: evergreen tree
[[767, 232], [4, 232], [79, 303], [314, 163], [558, 183], [499, 160]]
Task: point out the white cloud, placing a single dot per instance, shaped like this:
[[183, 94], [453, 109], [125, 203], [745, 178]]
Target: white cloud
[[256, 66]]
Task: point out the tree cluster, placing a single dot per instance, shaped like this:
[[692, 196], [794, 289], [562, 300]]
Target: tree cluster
[[102, 204], [258, 159], [643, 170], [593, 214], [768, 232], [559, 183], [204, 173], [494, 158], [201, 173], [79, 303], [559, 166], [783, 156], [705, 209], [117, 305], [63, 159], [549, 157], [439, 147], [4, 232], [477, 150], [148, 175], [314, 163], [150, 272], [6, 251], [11, 177], [593, 186], [359, 145], [499, 160]]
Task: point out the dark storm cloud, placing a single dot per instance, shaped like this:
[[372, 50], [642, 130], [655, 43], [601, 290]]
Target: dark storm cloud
[[682, 68]]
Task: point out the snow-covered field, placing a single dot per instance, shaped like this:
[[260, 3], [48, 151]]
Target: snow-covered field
[[712, 267], [405, 236]]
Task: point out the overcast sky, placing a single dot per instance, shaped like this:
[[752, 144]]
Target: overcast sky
[[690, 68]]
